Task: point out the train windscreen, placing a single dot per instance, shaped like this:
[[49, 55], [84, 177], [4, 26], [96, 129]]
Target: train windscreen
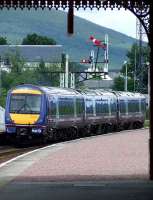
[[25, 103]]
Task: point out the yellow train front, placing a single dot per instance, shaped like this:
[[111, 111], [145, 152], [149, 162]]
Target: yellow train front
[[25, 112]]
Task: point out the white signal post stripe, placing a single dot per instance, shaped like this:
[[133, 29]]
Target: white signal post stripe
[[94, 40]]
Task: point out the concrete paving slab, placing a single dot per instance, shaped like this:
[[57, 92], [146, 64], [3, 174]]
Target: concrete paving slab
[[105, 157]]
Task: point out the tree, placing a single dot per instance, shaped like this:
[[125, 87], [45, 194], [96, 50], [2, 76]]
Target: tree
[[118, 83], [45, 75], [34, 39], [16, 61], [132, 62], [3, 41]]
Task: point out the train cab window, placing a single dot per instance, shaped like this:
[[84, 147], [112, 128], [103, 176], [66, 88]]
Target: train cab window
[[89, 106], [66, 106], [122, 106], [25, 103], [105, 108], [79, 106], [52, 107], [99, 109]]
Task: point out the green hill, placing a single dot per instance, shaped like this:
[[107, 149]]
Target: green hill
[[17, 24]]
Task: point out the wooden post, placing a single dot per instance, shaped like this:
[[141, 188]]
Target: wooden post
[[151, 118], [70, 19]]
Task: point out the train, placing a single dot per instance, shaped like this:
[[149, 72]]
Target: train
[[53, 113]]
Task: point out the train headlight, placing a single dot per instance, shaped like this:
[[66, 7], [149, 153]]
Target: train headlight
[[36, 130], [11, 129]]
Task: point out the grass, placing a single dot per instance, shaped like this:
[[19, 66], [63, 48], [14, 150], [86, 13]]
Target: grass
[[147, 123]]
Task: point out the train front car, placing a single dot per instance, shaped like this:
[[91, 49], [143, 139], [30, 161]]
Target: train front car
[[25, 112]]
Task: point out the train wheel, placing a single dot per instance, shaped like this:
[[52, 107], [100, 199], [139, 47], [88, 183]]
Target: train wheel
[[114, 128], [98, 130], [135, 125], [141, 125], [85, 131], [69, 134], [65, 135], [58, 135], [74, 132], [109, 128], [62, 134], [81, 132], [92, 130], [119, 127], [104, 129]]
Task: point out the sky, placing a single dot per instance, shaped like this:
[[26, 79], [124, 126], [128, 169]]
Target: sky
[[120, 20]]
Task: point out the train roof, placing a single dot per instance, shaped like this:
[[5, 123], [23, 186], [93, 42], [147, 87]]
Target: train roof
[[48, 90], [129, 94], [58, 91], [88, 92], [97, 92]]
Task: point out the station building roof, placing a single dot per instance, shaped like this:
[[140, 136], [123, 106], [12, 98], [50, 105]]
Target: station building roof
[[34, 53]]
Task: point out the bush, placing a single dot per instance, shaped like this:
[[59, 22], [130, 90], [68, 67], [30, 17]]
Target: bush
[[147, 114]]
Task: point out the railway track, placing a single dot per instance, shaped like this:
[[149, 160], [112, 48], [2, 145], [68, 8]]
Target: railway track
[[8, 152]]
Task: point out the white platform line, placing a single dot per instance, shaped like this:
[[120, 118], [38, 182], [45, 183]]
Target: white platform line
[[25, 154], [58, 144]]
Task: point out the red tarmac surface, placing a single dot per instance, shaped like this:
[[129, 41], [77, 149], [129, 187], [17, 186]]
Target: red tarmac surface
[[123, 155]]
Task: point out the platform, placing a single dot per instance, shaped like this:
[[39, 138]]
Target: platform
[[113, 157]]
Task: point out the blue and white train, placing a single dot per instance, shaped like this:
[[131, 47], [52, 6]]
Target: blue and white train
[[59, 113]]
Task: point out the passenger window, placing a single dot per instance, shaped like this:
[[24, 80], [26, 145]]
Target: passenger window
[[79, 106], [66, 106], [99, 106], [136, 105], [130, 106], [113, 106], [89, 106], [105, 108], [133, 106], [122, 106]]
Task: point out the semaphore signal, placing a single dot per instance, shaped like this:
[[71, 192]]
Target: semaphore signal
[[98, 43], [93, 60], [86, 61]]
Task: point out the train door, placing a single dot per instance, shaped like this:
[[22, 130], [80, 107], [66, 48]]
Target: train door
[[52, 115], [89, 109], [80, 111]]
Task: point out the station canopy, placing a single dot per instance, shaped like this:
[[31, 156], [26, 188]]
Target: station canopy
[[71, 3]]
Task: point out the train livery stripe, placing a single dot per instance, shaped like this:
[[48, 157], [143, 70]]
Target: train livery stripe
[[24, 118], [26, 91]]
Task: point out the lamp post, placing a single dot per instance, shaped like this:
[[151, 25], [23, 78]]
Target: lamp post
[[67, 71], [0, 75], [125, 78], [148, 65]]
